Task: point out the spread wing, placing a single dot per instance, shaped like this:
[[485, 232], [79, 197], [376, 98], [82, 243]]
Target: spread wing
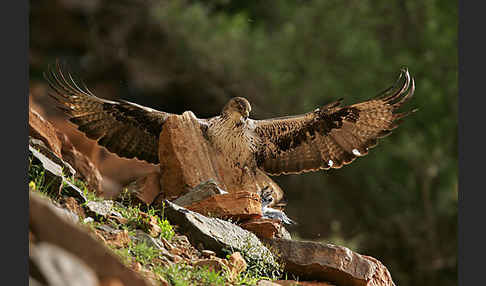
[[124, 128], [331, 136]]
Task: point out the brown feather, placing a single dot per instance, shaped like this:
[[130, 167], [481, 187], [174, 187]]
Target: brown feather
[[124, 128], [332, 136]]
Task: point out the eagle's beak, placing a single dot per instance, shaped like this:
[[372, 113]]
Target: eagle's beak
[[247, 114]]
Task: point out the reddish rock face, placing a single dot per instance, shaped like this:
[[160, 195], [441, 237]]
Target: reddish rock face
[[146, 188], [266, 228], [41, 129], [240, 205], [62, 147], [327, 262]]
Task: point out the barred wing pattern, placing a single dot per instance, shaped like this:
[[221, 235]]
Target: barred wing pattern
[[331, 136], [124, 128]]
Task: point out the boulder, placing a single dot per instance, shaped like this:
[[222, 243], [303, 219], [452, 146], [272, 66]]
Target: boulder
[[199, 193], [217, 235], [236, 265], [41, 129], [59, 144], [330, 263], [55, 169], [266, 228], [146, 188], [237, 206], [48, 227], [58, 267], [215, 264]]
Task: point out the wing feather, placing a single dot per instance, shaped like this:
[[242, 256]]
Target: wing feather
[[124, 128], [332, 136]]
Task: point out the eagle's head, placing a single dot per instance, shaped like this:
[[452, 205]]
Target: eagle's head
[[238, 109]]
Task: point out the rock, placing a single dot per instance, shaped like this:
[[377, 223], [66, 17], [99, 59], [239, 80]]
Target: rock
[[266, 283], [71, 204], [208, 253], [86, 170], [236, 265], [237, 206], [301, 283], [40, 147], [156, 243], [101, 208], [107, 228], [136, 266], [146, 188], [117, 219], [66, 214], [59, 144], [199, 193], [182, 239], [150, 224], [41, 129], [330, 263], [266, 228], [213, 264], [118, 239], [59, 267], [167, 244], [162, 281], [53, 175], [217, 235], [187, 159], [48, 227], [88, 220], [381, 276], [142, 236], [111, 281], [55, 168]]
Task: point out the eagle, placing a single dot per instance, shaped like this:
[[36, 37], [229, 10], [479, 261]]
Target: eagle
[[328, 137]]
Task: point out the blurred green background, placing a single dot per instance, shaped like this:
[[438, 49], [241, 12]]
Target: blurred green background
[[399, 203]]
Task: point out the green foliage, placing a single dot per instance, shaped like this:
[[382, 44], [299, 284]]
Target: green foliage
[[259, 264], [143, 253], [184, 275], [136, 220]]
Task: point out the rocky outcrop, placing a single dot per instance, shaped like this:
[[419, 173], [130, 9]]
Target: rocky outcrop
[[236, 206], [41, 129], [199, 193], [330, 263], [59, 144], [57, 267], [146, 188], [266, 228], [55, 169], [216, 234], [46, 226]]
